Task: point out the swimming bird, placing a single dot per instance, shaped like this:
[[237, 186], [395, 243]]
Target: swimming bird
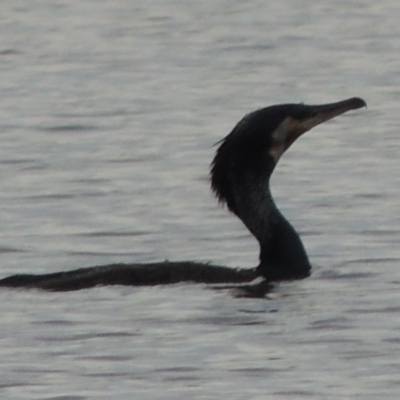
[[240, 175]]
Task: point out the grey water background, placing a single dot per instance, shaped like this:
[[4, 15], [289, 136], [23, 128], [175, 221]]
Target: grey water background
[[109, 111]]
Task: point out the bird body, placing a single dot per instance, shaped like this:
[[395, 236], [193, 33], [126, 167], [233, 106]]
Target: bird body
[[240, 175]]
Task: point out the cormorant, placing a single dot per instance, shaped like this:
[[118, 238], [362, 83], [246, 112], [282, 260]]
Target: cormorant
[[240, 174]]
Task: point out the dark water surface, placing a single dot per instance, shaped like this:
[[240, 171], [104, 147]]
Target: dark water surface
[[109, 111]]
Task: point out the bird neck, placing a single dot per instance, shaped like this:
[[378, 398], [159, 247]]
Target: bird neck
[[282, 254]]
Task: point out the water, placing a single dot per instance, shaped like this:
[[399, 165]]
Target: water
[[108, 117]]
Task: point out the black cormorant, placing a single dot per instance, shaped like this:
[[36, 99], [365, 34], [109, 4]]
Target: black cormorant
[[240, 174]]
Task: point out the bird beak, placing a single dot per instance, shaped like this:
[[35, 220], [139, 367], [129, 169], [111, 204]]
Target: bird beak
[[318, 114]]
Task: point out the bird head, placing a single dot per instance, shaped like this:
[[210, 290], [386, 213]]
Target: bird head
[[249, 154]]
